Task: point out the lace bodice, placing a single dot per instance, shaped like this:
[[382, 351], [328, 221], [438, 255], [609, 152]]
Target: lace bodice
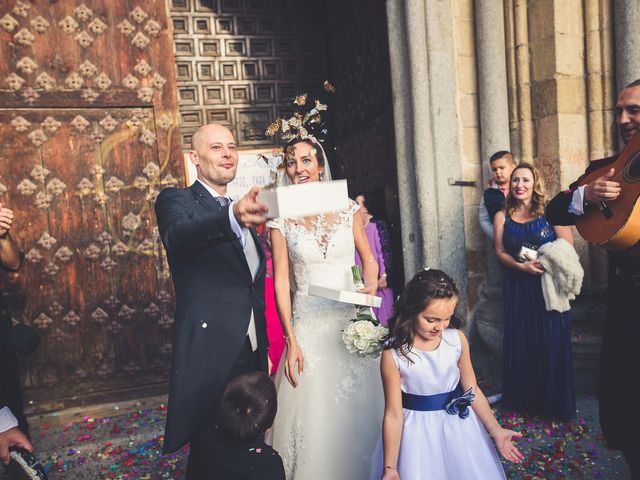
[[321, 249]]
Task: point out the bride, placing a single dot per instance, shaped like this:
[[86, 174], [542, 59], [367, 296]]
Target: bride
[[330, 401]]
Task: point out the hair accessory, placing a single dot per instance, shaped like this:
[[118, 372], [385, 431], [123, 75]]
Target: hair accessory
[[306, 123]]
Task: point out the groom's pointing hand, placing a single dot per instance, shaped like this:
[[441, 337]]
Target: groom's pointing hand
[[247, 210]]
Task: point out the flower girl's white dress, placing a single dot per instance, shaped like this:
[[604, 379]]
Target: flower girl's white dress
[[435, 444], [326, 428]]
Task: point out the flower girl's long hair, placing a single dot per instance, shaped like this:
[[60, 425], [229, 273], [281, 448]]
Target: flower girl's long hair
[[425, 287]]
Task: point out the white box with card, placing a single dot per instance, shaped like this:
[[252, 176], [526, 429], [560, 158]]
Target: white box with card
[[345, 296], [306, 199]]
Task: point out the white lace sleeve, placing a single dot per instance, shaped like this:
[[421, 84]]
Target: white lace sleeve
[[353, 207], [277, 223]]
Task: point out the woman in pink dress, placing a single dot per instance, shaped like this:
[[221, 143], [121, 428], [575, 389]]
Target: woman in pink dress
[[274, 328], [376, 234]]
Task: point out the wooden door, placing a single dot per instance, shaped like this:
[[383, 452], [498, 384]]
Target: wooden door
[[242, 62], [88, 137]]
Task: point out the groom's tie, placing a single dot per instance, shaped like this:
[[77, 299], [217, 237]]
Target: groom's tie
[[253, 260], [223, 201]]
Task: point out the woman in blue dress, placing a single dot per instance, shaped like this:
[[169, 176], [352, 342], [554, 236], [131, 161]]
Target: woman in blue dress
[[537, 371]]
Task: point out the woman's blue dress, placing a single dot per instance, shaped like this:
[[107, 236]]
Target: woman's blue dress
[[537, 370]]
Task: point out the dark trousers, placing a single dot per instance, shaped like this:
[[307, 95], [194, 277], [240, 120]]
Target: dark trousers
[[10, 388], [632, 457], [199, 465]]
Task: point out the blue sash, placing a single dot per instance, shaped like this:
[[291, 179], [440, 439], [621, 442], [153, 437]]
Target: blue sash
[[454, 402]]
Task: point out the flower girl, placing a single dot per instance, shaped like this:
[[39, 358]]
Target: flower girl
[[429, 431]]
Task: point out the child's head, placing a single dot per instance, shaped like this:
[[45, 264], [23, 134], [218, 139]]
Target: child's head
[[248, 406], [502, 164], [425, 308]]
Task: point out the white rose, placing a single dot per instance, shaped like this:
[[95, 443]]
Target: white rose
[[363, 337], [365, 329], [361, 344]]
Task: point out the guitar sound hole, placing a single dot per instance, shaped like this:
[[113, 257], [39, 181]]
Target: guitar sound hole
[[633, 173]]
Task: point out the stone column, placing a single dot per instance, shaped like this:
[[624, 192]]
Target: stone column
[[443, 200], [627, 22], [402, 112], [424, 81], [494, 136], [601, 98], [420, 127], [493, 97]]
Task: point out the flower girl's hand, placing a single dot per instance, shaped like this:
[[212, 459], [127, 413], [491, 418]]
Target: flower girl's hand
[[506, 447], [391, 474], [294, 356]]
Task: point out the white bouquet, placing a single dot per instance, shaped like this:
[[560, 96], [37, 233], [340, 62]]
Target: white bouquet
[[364, 335]]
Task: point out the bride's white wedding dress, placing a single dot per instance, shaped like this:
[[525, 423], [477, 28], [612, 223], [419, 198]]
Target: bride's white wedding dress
[[327, 427]]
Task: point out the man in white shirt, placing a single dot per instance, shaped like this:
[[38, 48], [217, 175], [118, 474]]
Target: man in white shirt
[[218, 270], [618, 361]]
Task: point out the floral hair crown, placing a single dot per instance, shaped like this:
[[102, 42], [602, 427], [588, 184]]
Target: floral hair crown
[[303, 124]]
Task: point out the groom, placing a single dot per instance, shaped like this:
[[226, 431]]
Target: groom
[[218, 270]]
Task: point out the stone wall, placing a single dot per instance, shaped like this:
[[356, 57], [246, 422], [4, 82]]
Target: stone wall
[[533, 77], [560, 95]]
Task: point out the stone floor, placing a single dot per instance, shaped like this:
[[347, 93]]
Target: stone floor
[[109, 444]]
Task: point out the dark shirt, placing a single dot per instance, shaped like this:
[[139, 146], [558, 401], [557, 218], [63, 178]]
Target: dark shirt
[[493, 201], [247, 461]]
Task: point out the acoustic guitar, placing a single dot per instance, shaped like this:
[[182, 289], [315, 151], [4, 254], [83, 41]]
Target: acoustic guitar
[[615, 224], [24, 465]]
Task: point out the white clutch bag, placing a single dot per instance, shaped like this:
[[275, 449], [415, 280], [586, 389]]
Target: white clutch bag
[[527, 253]]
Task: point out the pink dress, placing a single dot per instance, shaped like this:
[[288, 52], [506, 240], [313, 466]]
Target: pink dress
[[274, 328], [378, 250]]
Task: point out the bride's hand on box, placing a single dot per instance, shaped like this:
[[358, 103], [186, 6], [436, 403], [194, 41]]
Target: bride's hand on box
[[293, 356], [369, 290]]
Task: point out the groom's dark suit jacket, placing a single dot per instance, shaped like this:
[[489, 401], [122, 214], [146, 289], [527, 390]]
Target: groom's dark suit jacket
[[214, 297]]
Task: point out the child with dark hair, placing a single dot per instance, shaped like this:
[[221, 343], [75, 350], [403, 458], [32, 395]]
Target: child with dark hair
[[247, 409], [436, 418], [492, 201]]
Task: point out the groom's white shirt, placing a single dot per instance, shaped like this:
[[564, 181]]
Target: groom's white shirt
[[250, 252]]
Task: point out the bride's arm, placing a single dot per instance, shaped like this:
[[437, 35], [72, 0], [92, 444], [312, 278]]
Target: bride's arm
[[369, 265], [282, 287]]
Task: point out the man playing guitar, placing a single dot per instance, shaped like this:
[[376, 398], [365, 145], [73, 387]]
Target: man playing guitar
[[618, 361]]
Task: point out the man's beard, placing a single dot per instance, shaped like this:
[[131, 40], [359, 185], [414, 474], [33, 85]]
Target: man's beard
[[224, 181]]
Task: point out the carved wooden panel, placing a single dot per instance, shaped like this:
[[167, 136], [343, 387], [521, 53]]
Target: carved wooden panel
[[240, 62], [88, 137]]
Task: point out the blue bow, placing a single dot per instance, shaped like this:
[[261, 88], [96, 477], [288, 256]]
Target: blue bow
[[460, 405]]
